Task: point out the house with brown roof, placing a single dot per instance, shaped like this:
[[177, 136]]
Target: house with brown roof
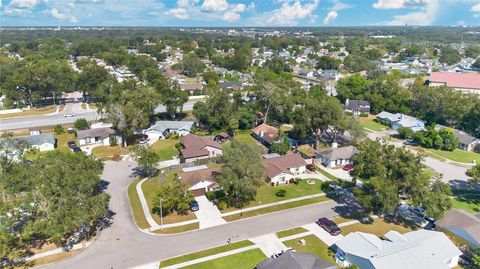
[[466, 82], [191, 86], [197, 148], [265, 134], [281, 169], [200, 181]]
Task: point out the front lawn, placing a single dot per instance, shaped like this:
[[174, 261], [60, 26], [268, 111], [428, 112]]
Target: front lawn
[[243, 260], [243, 136], [178, 229], [289, 232], [470, 203], [136, 206], [205, 253], [62, 140], [166, 148], [379, 227], [371, 124], [458, 155], [313, 245], [109, 151]]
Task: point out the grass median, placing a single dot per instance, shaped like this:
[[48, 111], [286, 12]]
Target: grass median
[[289, 232], [178, 229], [136, 206]]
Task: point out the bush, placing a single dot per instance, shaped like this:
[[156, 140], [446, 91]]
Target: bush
[[168, 135], [113, 140], [179, 146], [348, 113], [363, 114], [405, 133], [325, 187], [81, 124], [215, 195], [58, 129], [116, 158], [222, 205], [281, 193]]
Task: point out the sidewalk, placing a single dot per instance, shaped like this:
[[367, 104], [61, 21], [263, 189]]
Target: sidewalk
[[269, 244], [57, 251]]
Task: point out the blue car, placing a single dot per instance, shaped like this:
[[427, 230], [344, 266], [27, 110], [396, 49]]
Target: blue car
[[194, 206]]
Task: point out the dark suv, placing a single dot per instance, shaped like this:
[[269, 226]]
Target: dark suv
[[328, 226]]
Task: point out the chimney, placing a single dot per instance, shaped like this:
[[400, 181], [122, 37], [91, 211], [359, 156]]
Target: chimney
[[262, 133], [334, 145], [346, 102]]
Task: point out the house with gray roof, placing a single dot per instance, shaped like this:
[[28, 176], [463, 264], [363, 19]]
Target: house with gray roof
[[102, 136], [465, 141], [42, 142], [357, 107], [418, 249], [462, 224], [295, 260], [398, 120], [336, 157], [161, 128]]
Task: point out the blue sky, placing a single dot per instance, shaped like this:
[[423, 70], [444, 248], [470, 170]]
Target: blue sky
[[238, 12]]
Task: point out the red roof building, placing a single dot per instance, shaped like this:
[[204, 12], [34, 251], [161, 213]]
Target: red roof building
[[469, 82]]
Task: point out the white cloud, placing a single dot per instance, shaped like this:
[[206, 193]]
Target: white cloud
[[476, 9], [62, 16], [21, 7], [179, 13], [426, 16], [234, 13], [215, 5], [291, 13], [331, 16], [337, 5], [398, 4]]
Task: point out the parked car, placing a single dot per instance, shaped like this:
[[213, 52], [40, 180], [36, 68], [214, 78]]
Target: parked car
[[70, 130], [71, 144], [329, 226], [144, 140], [348, 167], [366, 220], [410, 142], [311, 168], [194, 206], [418, 211], [76, 149]]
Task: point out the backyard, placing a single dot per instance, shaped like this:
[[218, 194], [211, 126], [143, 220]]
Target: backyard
[[166, 148]]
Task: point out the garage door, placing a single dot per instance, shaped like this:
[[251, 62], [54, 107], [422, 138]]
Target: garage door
[[198, 192]]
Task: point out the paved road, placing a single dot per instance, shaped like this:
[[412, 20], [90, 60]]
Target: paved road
[[53, 119], [122, 245]]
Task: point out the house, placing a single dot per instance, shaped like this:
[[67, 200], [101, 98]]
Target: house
[[190, 87], [41, 142], [200, 181], [418, 249], [465, 141], [357, 107], [230, 85], [462, 224], [221, 138], [398, 120], [295, 260], [465, 82], [336, 157], [97, 136], [283, 168], [161, 128], [197, 148], [330, 75], [265, 134]]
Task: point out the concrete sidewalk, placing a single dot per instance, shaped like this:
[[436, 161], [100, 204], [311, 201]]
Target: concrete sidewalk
[[208, 214], [57, 251], [269, 244]]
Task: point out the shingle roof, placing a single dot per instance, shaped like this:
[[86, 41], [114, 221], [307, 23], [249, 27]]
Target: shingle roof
[[463, 137], [38, 140], [343, 153], [295, 260], [277, 165], [266, 132], [463, 224], [191, 86], [195, 146], [97, 132], [357, 105], [457, 80], [193, 177], [163, 125], [228, 84]]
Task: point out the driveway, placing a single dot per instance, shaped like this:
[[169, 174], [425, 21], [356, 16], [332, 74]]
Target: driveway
[[339, 172], [269, 244], [208, 214], [322, 234]]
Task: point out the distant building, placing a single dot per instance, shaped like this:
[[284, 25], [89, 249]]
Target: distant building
[[333, 75], [283, 168], [400, 120], [230, 85], [465, 82], [190, 87], [357, 107]]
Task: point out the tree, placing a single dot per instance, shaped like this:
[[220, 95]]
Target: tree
[[147, 159], [58, 129], [476, 64], [280, 146], [437, 201], [173, 98], [450, 140], [449, 56], [405, 132], [242, 173], [474, 174], [327, 63], [81, 124], [90, 79], [173, 196], [472, 51], [191, 65]]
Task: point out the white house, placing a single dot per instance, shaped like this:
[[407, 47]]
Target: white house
[[336, 157], [283, 168], [418, 249], [97, 136], [198, 148], [163, 127], [398, 120], [41, 142]]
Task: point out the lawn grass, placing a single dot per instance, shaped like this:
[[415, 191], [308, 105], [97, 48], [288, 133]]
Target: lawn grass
[[31, 112], [371, 124], [243, 136], [136, 206], [62, 140], [150, 188], [458, 155], [470, 203], [244, 260], [275, 208], [205, 253], [51, 258], [379, 227], [289, 232], [166, 148], [108, 151], [313, 245], [178, 229]]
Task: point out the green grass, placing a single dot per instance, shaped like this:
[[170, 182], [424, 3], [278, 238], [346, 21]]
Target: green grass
[[470, 203], [136, 207], [275, 208], [166, 148], [178, 229], [379, 227], [108, 151], [243, 136], [205, 253], [297, 230], [62, 140], [313, 245], [458, 155], [370, 123], [243, 260]]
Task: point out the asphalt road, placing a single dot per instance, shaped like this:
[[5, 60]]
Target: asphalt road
[[122, 245], [54, 119]]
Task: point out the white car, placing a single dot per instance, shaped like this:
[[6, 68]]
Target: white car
[[68, 115]]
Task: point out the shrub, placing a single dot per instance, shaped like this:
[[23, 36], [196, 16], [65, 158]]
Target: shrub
[[222, 205], [81, 124], [281, 193], [179, 146], [113, 140], [215, 195], [295, 181], [405, 133], [363, 114], [325, 187], [348, 113], [58, 129]]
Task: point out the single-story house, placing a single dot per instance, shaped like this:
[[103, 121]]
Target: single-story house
[[221, 138], [230, 85], [283, 168], [418, 249], [191, 86], [330, 75], [97, 136], [265, 134], [465, 141], [465, 82], [41, 142], [295, 260], [398, 120], [163, 127], [357, 107], [200, 181], [197, 148], [463, 224], [336, 157]]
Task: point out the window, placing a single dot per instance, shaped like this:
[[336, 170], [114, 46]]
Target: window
[[88, 140]]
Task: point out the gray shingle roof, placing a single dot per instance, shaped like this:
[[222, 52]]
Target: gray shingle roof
[[38, 139], [295, 260], [96, 132], [463, 137], [338, 153], [163, 125]]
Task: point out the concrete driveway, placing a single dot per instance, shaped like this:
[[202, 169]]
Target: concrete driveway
[[208, 214], [322, 234]]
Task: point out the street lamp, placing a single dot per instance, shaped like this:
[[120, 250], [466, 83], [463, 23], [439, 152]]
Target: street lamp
[[161, 213]]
